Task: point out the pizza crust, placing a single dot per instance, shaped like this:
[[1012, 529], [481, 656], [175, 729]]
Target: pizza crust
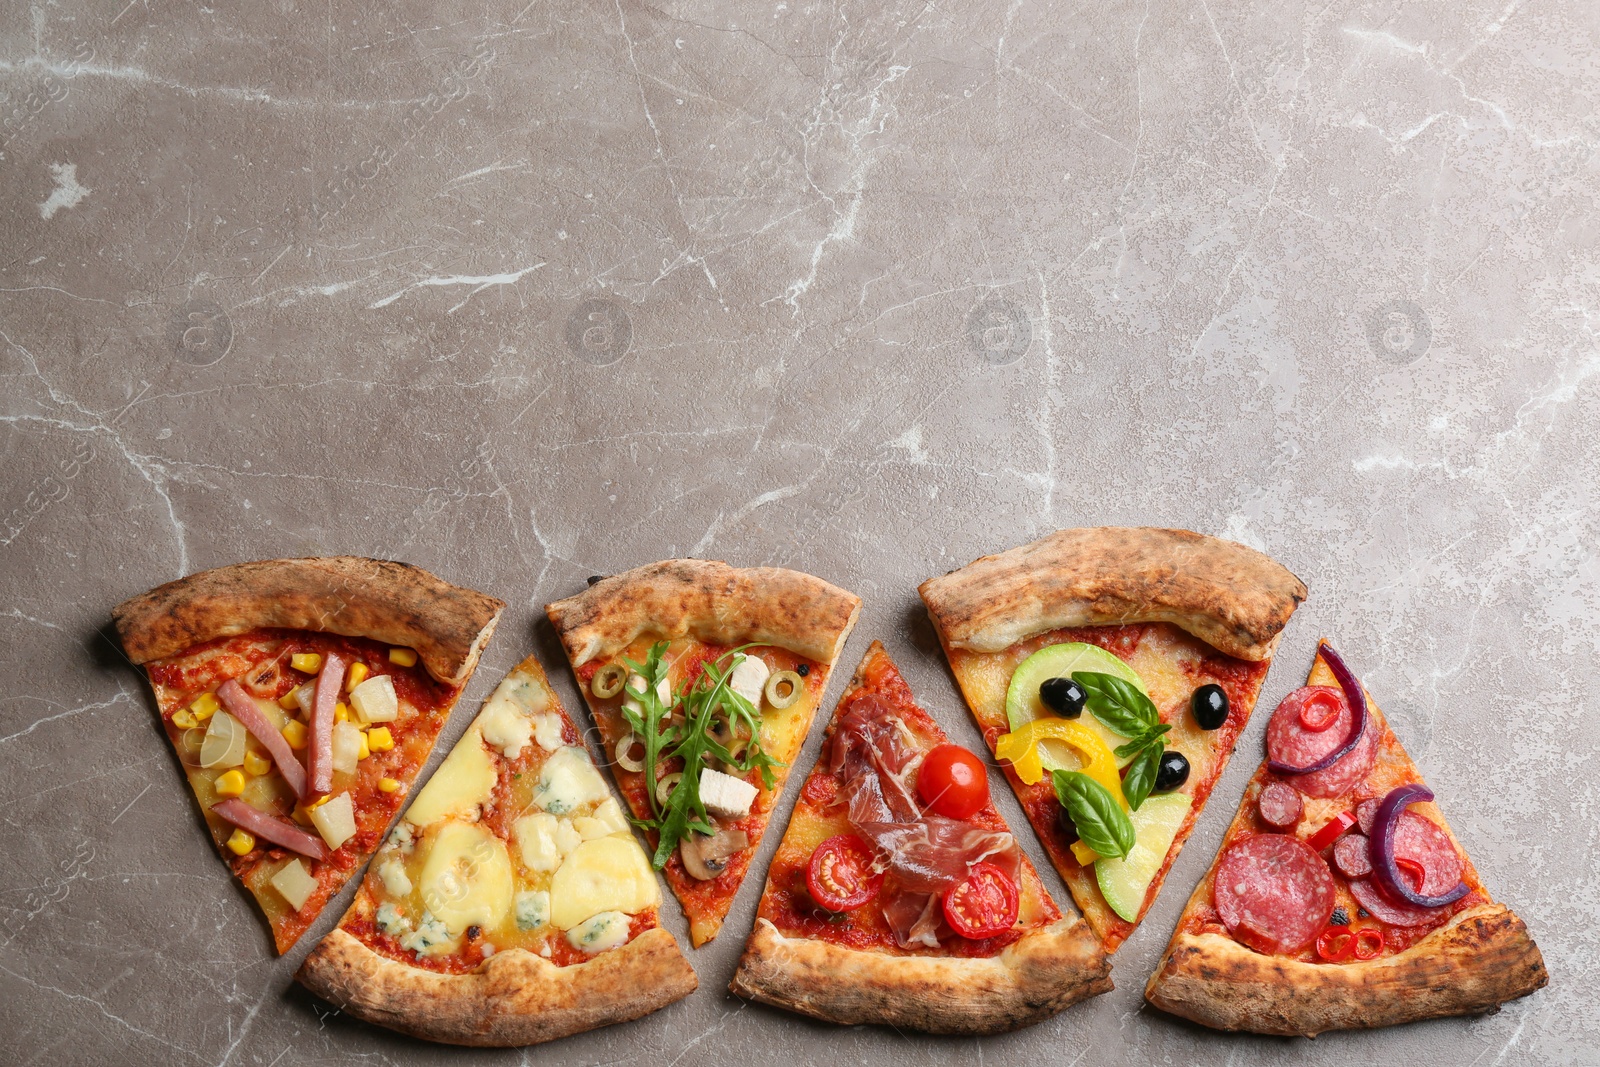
[[1233, 598], [711, 602], [1040, 975], [1480, 959], [513, 998], [391, 602]]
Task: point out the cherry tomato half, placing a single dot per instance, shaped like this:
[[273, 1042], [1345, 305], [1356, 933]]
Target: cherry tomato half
[[953, 782], [840, 876], [983, 904]]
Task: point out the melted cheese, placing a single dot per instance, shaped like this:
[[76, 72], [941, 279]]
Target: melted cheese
[[568, 781], [463, 781], [607, 874], [544, 840], [504, 726], [392, 872], [466, 879]]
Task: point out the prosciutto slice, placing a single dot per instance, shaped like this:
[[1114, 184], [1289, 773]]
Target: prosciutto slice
[[875, 754]]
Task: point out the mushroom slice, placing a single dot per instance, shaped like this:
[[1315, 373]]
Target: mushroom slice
[[706, 856]]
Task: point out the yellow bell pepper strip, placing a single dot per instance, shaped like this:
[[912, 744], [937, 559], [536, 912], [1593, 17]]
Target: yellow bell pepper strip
[[1021, 747]]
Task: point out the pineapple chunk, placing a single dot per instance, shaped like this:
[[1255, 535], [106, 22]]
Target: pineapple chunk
[[374, 700], [295, 883], [335, 820]]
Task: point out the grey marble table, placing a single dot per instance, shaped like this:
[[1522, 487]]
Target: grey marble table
[[524, 292]]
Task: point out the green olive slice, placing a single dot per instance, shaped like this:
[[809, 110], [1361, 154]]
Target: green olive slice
[[784, 688], [624, 754], [608, 680], [665, 787]]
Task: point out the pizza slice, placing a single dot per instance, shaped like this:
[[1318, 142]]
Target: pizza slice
[[1340, 898], [898, 895], [511, 904], [703, 680], [302, 697], [1112, 670]]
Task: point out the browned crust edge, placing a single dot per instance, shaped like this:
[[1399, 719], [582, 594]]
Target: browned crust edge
[[1043, 973], [1482, 958], [386, 601], [709, 601], [513, 998], [1232, 597]]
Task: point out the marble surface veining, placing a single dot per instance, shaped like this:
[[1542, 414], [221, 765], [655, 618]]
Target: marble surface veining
[[526, 292]]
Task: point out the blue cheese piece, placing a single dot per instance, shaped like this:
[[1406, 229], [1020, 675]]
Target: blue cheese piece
[[505, 727], [750, 675], [547, 731], [391, 922], [532, 909], [725, 795], [403, 837], [430, 938], [392, 873], [600, 932], [568, 781]]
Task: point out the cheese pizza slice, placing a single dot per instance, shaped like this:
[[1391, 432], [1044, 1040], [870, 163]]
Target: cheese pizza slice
[[1340, 897], [703, 680], [1112, 670], [898, 895], [302, 696], [511, 904]]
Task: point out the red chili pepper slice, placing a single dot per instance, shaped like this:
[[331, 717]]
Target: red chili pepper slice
[[1319, 712], [1332, 830], [1368, 942], [1412, 870], [840, 876], [983, 904], [1335, 944]]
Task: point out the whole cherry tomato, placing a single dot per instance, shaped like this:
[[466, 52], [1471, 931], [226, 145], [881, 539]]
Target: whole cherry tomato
[[953, 782]]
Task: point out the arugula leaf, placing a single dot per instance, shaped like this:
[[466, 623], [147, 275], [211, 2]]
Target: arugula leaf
[[1118, 703], [1100, 820], [1143, 741], [684, 741], [1141, 774]]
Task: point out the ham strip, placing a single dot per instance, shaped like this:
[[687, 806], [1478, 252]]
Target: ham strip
[[319, 735], [241, 707], [875, 755], [270, 828]]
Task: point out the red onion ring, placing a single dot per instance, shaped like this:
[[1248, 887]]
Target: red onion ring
[[1385, 867], [1355, 697]]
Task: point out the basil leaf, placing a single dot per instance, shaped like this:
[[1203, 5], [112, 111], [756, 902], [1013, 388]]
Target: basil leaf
[[1118, 703], [1101, 822], [1141, 742], [1141, 774]]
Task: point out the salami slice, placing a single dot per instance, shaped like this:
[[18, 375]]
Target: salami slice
[[1280, 805], [1366, 811], [1288, 741], [1416, 839], [1380, 907], [1350, 856], [1273, 893]]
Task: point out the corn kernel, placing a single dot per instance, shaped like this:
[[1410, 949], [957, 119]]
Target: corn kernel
[[379, 739], [299, 815], [240, 842], [405, 657], [357, 675], [184, 719], [341, 712], [294, 732], [309, 662], [204, 706], [256, 763], [323, 799], [387, 785], [230, 783], [288, 702], [366, 748]]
